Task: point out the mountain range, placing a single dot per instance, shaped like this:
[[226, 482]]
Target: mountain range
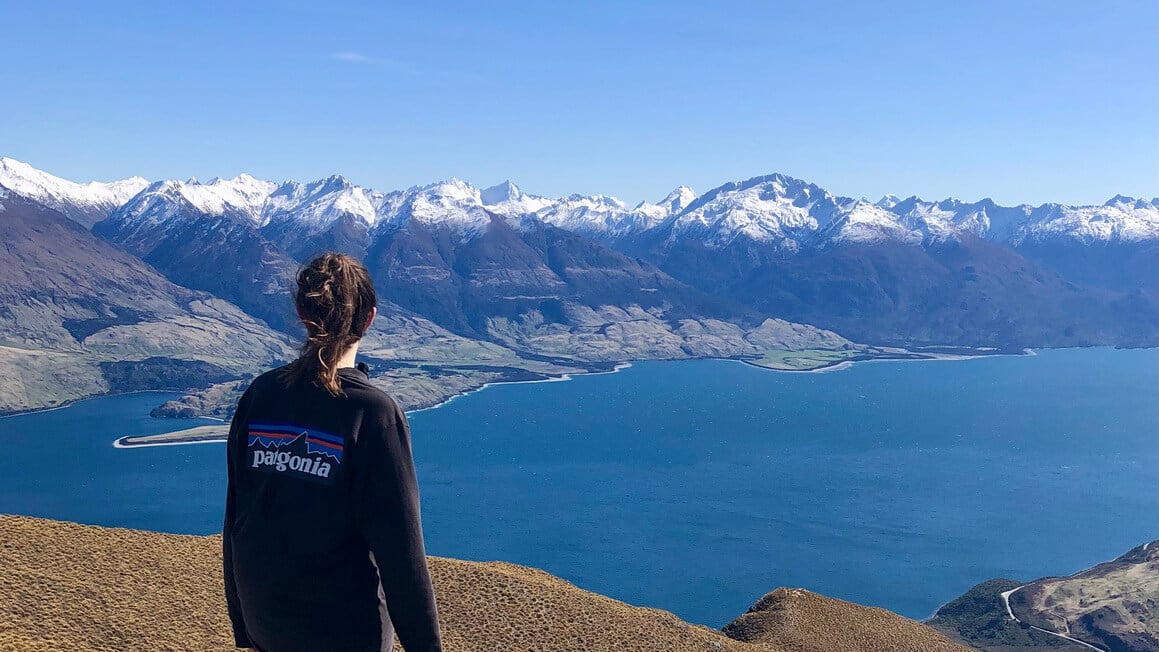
[[584, 278]]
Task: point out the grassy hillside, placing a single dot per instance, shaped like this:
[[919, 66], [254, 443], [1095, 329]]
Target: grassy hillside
[[76, 587]]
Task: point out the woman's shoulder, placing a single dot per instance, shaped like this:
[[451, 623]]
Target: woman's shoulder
[[365, 394], [357, 391], [275, 377]]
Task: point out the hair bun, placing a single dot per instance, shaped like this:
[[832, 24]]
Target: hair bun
[[335, 298]]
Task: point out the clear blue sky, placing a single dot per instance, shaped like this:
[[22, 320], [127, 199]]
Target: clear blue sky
[[1019, 100]]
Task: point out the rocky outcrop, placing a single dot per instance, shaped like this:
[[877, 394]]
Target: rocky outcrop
[[76, 587]]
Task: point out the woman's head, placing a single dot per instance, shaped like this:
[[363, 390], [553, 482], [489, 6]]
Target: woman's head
[[336, 301]]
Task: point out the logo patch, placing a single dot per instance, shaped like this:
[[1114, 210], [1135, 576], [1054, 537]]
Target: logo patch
[[294, 450]]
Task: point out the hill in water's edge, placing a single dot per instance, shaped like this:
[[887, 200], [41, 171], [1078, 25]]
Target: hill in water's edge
[[78, 587], [1112, 606]]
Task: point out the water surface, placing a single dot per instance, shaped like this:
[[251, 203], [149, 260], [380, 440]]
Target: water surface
[[697, 486]]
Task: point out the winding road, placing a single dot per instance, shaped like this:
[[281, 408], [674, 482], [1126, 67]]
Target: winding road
[[1010, 612]]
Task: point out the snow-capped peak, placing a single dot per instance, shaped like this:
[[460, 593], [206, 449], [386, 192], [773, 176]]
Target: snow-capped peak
[[240, 198], [509, 200], [451, 204], [318, 204], [773, 209], [87, 203], [678, 199], [453, 190], [888, 201], [243, 190], [1131, 204], [598, 216], [503, 192], [1121, 218], [647, 215], [862, 222]]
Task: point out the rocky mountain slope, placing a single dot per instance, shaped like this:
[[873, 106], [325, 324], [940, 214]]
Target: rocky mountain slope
[[79, 317], [966, 292], [1114, 245], [203, 237], [127, 589]]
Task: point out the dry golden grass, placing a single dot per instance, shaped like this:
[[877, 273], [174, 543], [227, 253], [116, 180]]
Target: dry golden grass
[[796, 620], [73, 587]]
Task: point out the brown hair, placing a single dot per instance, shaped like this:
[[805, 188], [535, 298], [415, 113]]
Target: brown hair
[[334, 299]]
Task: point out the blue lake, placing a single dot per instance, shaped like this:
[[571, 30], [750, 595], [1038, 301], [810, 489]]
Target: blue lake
[[697, 486]]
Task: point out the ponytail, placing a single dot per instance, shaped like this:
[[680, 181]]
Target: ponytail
[[334, 299]]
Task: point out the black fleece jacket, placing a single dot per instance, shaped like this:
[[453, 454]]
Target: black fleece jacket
[[323, 544]]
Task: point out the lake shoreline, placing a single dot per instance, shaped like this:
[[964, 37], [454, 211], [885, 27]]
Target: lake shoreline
[[93, 397], [944, 353], [171, 438], [168, 438]]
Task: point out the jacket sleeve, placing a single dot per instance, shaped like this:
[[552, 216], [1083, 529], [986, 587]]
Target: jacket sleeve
[[233, 604], [386, 508]]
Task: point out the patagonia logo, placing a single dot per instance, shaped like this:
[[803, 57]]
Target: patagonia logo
[[292, 449]]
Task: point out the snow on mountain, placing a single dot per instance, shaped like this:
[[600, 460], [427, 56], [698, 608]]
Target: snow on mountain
[[507, 199], [606, 217], [888, 201], [452, 204], [318, 204], [1122, 219], [501, 194], [595, 215], [88, 203], [457, 204], [983, 219], [243, 191], [859, 222], [678, 199], [773, 209], [240, 198], [297, 210], [653, 214], [791, 214]]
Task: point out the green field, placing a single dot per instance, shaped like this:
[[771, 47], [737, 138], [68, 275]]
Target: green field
[[808, 359]]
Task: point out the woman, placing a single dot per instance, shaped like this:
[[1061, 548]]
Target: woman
[[323, 545]]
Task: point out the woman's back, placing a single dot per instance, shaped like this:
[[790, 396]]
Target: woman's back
[[322, 510]]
